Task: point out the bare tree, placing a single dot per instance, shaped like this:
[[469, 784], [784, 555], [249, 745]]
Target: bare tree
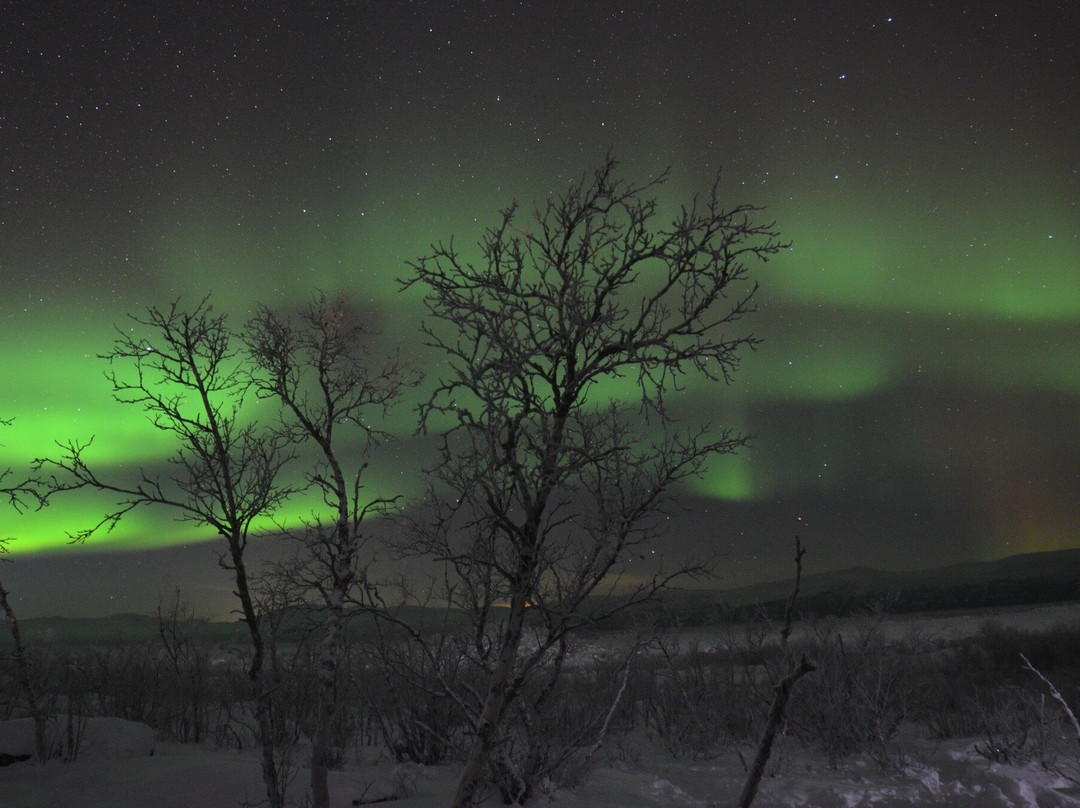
[[20, 496], [781, 692], [26, 682], [185, 373], [548, 483], [187, 664], [333, 393]]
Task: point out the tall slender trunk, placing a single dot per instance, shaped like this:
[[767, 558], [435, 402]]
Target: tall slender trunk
[[499, 693], [342, 578], [495, 703], [36, 712], [275, 794], [329, 659]]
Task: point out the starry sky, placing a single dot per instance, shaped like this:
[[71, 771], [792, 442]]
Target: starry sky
[[914, 400]]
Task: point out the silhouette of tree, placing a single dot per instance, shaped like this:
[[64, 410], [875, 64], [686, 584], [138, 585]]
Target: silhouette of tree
[[20, 496], [546, 484], [183, 370], [317, 366]]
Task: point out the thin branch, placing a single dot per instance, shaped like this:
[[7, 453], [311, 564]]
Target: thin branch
[[1055, 694]]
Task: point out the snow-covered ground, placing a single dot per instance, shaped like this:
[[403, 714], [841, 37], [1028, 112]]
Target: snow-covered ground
[[121, 766]]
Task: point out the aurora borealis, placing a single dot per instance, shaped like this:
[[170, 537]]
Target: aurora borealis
[[914, 400]]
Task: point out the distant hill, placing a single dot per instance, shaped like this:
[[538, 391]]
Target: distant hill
[[126, 629], [1017, 580], [117, 629], [1014, 581]]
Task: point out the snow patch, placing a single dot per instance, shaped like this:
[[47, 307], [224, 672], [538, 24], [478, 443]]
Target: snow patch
[[666, 791], [95, 738]]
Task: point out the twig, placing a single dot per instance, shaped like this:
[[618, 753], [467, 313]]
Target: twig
[[1056, 695]]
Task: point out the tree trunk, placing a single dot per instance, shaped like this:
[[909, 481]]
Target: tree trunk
[[329, 657], [24, 678], [257, 676], [776, 715], [472, 777]]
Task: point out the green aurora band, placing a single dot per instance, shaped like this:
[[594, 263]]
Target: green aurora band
[[992, 299]]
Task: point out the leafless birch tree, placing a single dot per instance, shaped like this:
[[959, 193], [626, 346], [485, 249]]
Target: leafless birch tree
[[317, 365], [547, 483], [183, 369]]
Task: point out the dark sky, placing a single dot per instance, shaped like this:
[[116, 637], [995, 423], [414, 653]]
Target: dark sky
[[914, 401]]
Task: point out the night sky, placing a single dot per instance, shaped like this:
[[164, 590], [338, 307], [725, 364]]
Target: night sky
[[915, 400]]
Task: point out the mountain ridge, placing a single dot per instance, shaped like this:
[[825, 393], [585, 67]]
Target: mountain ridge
[[1020, 579]]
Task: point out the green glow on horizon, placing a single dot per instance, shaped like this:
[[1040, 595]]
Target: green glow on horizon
[[966, 259], [956, 274], [59, 393], [47, 531]]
